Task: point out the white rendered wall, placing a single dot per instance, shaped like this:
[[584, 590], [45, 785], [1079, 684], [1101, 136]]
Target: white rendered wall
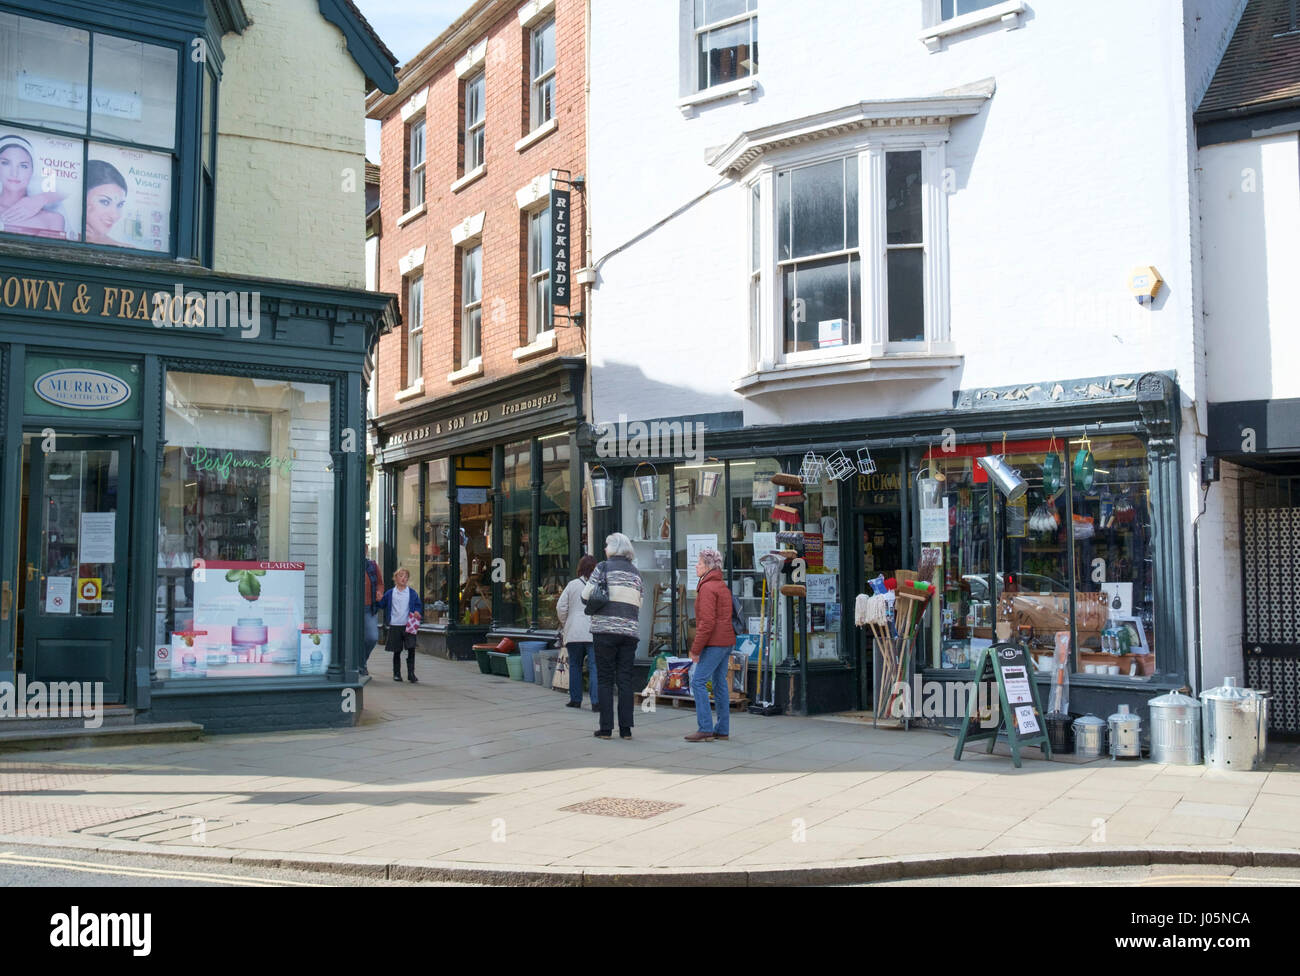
[[1250, 208], [290, 128], [1075, 172]]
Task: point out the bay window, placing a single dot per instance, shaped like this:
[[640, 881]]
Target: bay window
[[88, 140], [904, 247], [817, 255]]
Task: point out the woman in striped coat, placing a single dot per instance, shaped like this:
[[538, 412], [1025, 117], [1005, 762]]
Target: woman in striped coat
[[615, 630]]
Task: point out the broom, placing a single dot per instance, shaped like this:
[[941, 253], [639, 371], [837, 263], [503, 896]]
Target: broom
[[875, 614]]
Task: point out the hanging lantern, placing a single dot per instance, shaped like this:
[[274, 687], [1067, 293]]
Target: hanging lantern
[[865, 463], [647, 485], [929, 493], [838, 466], [602, 495]]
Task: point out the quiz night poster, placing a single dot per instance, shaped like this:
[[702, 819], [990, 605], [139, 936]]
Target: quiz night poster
[[129, 204]]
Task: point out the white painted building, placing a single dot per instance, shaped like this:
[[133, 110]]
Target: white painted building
[[904, 218], [1249, 192]]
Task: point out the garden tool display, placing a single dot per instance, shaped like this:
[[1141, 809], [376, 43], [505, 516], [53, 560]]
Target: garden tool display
[[765, 687]]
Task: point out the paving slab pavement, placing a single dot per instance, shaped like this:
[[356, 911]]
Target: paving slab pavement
[[476, 772]]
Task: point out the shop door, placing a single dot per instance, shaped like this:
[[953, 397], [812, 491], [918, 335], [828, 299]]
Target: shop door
[[74, 617], [880, 536], [1270, 534]]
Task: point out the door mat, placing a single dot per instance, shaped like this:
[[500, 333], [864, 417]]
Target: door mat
[[614, 806]]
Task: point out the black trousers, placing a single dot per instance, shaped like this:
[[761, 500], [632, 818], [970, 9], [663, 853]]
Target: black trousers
[[614, 656], [394, 644]]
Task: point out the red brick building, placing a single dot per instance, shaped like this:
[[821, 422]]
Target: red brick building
[[480, 392]]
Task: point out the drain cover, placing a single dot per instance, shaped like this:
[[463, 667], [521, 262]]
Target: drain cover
[[615, 806]]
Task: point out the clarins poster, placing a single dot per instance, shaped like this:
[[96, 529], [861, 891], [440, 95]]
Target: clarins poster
[[128, 198], [249, 618]]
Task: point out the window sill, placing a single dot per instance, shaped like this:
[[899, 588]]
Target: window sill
[[537, 135], [743, 90], [411, 392], [1009, 13], [468, 372], [803, 376], [410, 215], [543, 343], [468, 178]]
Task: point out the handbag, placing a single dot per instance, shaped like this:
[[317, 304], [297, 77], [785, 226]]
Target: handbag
[[560, 680], [370, 621], [599, 597]]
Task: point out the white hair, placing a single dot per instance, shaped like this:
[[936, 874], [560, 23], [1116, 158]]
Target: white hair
[[618, 544]]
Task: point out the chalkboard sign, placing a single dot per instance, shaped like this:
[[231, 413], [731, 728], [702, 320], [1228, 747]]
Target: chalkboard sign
[[1019, 712]]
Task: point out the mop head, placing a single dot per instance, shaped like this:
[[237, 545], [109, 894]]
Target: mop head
[[874, 611], [860, 610]]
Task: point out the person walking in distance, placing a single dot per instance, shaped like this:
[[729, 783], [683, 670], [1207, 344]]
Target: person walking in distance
[[372, 591], [715, 638], [575, 627], [615, 628], [398, 604]]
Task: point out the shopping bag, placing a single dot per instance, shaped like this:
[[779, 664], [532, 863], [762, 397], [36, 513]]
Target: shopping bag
[[560, 681]]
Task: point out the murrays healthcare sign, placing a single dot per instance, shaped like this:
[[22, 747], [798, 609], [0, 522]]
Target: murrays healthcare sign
[[82, 389]]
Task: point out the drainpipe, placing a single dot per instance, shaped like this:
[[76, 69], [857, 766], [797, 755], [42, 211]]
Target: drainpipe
[[1194, 665]]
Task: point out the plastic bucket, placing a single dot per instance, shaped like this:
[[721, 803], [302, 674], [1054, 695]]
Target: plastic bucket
[[546, 661], [497, 662], [526, 651], [481, 654], [515, 666], [1060, 733]]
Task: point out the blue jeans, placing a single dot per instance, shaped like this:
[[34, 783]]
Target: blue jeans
[[577, 652], [712, 666]]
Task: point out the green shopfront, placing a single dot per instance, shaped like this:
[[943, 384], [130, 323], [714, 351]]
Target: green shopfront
[[182, 497]]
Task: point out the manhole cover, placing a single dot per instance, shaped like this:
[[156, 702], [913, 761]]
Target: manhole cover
[[615, 806]]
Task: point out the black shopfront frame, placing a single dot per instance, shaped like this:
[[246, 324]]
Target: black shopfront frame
[[1147, 408]]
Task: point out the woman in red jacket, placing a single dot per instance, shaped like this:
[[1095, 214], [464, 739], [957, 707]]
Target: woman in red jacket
[[715, 639]]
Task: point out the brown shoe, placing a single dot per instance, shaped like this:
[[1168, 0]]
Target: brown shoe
[[700, 737], [722, 738]]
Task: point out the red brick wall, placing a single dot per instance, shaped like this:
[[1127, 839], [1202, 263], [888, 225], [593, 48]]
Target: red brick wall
[[505, 240]]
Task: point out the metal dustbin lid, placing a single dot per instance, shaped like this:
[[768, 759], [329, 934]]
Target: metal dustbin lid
[[1124, 718], [1088, 720], [1230, 691], [1174, 699]]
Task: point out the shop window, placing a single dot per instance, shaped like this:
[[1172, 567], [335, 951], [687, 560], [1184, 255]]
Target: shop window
[[967, 616], [475, 123], [542, 87], [554, 566], [1113, 557], [471, 292], [406, 542], [245, 528], [57, 183], [726, 41], [539, 274], [437, 543], [515, 609], [753, 533], [647, 522], [415, 166], [700, 511], [825, 600], [474, 513], [817, 255]]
